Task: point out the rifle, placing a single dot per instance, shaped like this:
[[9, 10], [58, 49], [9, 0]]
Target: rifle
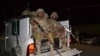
[[47, 36], [70, 33]]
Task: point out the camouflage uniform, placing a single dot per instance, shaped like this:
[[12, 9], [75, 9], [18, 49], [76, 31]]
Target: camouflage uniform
[[32, 17], [57, 29]]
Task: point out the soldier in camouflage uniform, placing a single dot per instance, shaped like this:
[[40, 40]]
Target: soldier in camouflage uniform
[[57, 29], [32, 17], [41, 18]]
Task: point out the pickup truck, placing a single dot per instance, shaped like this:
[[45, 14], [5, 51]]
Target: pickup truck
[[18, 41]]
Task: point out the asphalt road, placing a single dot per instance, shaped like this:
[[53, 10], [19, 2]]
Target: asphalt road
[[87, 50]]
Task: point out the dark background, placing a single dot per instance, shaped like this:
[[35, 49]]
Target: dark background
[[78, 12]]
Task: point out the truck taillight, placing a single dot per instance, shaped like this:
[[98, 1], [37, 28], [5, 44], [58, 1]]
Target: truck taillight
[[30, 49]]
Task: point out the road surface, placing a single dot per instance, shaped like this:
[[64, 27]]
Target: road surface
[[88, 50]]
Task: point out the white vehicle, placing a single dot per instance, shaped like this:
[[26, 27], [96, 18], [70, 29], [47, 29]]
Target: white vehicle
[[19, 42], [18, 38]]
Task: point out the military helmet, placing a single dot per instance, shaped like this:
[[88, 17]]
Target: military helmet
[[53, 14], [40, 10]]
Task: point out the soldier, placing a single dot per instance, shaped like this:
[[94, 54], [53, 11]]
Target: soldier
[[41, 19], [32, 17], [57, 29]]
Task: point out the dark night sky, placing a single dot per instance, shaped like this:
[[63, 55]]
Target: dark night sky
[[81, 12]]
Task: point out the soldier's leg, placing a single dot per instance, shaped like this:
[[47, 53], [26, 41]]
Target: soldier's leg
[[50, 35], [51, 50], [38, 44], [64, 46]]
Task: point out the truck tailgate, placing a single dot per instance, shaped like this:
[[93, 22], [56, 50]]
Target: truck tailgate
[[71, 52]]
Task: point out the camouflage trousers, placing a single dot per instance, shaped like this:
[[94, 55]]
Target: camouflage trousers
[[38, 37], [62, 37]]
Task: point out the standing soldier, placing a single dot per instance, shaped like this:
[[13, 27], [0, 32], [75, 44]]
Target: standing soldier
[[35, 31], [57, 29], [41, 19], [32, 17]]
